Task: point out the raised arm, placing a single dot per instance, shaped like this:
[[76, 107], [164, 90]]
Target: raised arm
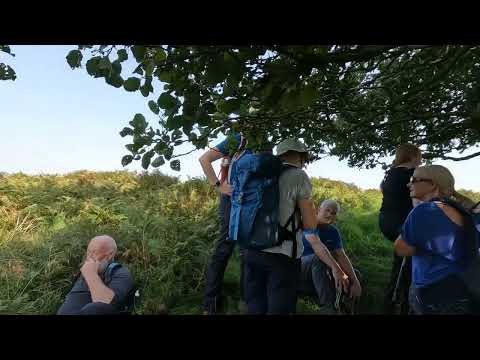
[[206, 161]]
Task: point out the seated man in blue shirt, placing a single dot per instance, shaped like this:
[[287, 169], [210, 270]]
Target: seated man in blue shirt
[[316, 279], [100, 289]]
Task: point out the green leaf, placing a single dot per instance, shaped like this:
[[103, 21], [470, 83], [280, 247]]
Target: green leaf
[[216, 72], [153, 106], [117, 67], [139, 122], [159, 161], [175, 165], [192, 136], [92, 65], [126, 131], [138, 70], [127, 159], [5, 48], [308, 95], [165, 76], [139, 52], [149, 68], [144, 91], [176, 134], [6, 72], [122, 55], [147, 157], [168, 153], [104, 64], [209, 107], [204, 119], [166, 101], [74, 58], [159, 56], [132, 84], [132, 148], [114, 80], [228, 106], [175, 122]]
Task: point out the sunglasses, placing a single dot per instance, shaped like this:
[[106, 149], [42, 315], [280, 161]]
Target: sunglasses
[[414, 180]]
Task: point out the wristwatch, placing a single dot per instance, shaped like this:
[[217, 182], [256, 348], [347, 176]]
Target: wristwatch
[[217, 184]]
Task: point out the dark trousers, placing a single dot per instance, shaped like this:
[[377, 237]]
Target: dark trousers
[[218, 263], [96, 308], [316, 280], [391, 228], [403, 285], [271, 283], [449, 296]]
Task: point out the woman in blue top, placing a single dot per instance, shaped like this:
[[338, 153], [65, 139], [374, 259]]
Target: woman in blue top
[[434, 236]]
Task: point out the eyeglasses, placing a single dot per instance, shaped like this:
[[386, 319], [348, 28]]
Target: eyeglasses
[[414, 180]]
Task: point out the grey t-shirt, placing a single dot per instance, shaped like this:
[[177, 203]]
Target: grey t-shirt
[[121, 284], [294, 185]]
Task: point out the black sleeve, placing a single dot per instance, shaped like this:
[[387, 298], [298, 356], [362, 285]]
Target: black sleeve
[[121, 284]]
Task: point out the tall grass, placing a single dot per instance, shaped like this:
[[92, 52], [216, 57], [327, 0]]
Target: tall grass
[[165, 232]]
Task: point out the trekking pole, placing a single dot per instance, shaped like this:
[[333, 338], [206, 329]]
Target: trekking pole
[[400, 274]]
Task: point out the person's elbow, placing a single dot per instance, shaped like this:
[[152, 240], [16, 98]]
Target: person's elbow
[[401, 248]]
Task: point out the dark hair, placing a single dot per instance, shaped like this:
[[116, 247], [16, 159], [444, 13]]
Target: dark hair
[[405, 153]]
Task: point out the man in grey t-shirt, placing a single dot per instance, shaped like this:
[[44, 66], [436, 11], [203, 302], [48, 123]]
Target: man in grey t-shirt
[[93, 293], [271, 275]]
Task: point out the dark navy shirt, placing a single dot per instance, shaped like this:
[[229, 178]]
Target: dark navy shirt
[[121, 284], [330, 237]]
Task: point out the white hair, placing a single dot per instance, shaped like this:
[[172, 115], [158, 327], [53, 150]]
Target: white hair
[[330, 204]]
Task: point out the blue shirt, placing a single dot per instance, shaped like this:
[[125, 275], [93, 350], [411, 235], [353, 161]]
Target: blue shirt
[[330, 237], [439, 244]]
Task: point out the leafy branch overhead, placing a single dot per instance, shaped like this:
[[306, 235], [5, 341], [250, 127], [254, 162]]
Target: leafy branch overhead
[[6, 71], [355, 102]]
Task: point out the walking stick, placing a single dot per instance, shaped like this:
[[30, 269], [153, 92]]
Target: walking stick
[[399, 277]]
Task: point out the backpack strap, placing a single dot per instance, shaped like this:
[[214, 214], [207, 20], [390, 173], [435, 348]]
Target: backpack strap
[[469, 224], [475, 206], [109, 271], [290, 235]]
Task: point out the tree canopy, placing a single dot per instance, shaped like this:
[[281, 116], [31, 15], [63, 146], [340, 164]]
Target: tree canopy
[[357, 102]]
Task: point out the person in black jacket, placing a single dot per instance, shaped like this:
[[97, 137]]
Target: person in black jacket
[[396, 205]]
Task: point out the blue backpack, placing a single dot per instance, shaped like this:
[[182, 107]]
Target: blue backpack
[[471, 276], [254, 215]]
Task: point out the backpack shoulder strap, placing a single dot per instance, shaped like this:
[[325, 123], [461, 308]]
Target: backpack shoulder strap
[[109, 271], [475, 206], [469, 224]]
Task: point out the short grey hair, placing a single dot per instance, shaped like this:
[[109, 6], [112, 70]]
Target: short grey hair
[[330, 204]]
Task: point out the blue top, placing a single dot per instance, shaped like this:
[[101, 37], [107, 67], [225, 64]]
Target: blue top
[[222, 146], [330, 237], [439, 244]]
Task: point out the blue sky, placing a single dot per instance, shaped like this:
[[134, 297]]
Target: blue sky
[[57, 120]]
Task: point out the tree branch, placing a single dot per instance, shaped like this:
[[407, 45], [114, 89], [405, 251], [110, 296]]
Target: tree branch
[[460, 158]]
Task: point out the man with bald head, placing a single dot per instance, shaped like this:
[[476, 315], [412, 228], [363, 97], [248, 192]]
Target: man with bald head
[[101, 289]]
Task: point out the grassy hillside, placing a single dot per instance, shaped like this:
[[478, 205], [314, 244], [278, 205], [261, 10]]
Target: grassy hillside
[[165, 232]]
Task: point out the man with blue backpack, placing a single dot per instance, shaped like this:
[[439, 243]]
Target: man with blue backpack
[[103, 287], [223, 249], [271, 203]]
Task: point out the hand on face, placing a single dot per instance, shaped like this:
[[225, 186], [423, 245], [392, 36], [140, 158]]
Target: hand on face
[[90, 266]]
